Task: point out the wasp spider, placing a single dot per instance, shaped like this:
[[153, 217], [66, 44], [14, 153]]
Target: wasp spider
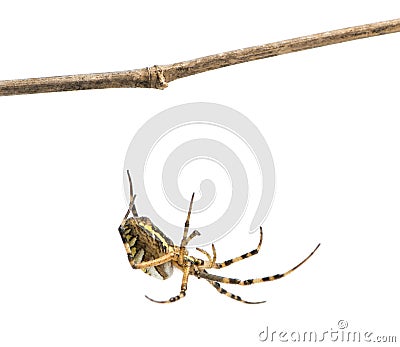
[[153, 252]]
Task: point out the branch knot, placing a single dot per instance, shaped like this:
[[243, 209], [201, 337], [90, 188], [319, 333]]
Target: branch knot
[[157, 78]]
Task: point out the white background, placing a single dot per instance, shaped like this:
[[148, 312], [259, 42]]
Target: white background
[[330, 115]]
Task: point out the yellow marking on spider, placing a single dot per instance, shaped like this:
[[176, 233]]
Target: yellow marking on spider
[[132, 241], [127, 248], [149, 228]]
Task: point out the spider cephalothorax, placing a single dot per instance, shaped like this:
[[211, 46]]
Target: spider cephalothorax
[[150, 250]]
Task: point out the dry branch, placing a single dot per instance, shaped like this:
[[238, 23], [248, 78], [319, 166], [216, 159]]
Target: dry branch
[[160, 75]]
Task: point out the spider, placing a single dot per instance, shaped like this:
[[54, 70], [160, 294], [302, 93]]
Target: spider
[[150, 250]]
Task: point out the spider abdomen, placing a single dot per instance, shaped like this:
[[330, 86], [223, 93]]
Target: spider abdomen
[[147, 242]]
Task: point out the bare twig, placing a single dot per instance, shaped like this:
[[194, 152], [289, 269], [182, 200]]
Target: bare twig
[[159, 76]]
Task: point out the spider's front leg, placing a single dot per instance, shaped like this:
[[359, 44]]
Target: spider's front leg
[[132, 207], [182, 293], [151, 263], [132, 197], [185, 238]]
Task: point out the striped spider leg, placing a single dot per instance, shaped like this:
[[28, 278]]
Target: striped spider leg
[[215, 280]]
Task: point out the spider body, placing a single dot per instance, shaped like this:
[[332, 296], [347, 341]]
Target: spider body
[[149, 249]]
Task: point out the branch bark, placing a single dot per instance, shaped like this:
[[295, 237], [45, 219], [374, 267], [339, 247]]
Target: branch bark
[[160, 75]]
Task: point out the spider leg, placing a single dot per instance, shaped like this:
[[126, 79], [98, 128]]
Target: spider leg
[[127, 213], [241, 257], [132, 197], [205, 253], [193, 234], [185, 232], [211, 261], [155, 262], [216, 278], [132, 207], [182, 293], [221, 290], [214, 255]]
